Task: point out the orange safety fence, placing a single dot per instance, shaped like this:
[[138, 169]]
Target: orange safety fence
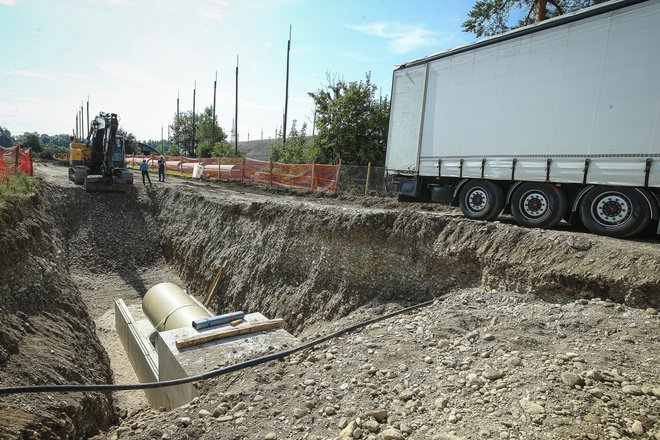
[[13, 160], [321, 178]]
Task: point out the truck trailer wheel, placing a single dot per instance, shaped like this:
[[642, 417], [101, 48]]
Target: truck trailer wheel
[[538, 205], [617, 212], [481, 200]]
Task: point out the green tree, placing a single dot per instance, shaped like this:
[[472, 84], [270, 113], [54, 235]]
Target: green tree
[[173, 150], [182, 129], [491, 17], [60, 140], [130, 142], [299, 148], [223, 148], [30, 140], [351, 122], [6, 140]]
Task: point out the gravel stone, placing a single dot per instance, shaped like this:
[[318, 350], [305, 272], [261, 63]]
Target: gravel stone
[[571, 379]]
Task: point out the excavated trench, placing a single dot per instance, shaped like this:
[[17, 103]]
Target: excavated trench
[[301, 259]]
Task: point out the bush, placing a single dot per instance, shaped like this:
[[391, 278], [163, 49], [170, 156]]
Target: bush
[[46, 154]]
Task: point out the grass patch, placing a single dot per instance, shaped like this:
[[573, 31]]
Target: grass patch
[[18, 186]]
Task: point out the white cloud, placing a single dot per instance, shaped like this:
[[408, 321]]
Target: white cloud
[[249, 104], [361, 57], [214, 9], [128, 73], [302, 100], [401, 37], [8, 2], [29, 73], [118, 2], [77, 75]]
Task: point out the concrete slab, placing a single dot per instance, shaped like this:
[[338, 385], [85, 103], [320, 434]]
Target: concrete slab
[[165, 362], [212, 355]]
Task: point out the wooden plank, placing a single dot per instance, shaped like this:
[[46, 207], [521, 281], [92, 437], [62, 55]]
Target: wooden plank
[[216, 281], [337, 178], [229, 332]]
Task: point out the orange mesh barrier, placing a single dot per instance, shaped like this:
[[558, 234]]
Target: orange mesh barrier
[[322, 178], [13, 160]]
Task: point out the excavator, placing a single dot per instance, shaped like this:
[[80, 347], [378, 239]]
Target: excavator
[[99, 163]]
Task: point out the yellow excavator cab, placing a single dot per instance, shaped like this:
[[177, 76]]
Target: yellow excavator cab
[[79, 154]]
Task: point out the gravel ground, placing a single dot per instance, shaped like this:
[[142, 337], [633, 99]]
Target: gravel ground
[[475, 364]]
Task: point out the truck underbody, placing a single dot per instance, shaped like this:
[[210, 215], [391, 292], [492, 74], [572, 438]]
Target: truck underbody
[[605, 210]]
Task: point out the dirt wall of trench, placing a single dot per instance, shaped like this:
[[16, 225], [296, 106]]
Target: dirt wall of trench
[[46, 334], [308, 261]]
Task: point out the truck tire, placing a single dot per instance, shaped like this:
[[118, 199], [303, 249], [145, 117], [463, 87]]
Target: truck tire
[[538, 205], [481, 200], [616, 212]]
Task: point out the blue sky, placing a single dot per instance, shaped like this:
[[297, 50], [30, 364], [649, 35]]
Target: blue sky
[[132, 56]]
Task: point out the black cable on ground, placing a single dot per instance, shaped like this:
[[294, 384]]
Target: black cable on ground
[[204, 376]]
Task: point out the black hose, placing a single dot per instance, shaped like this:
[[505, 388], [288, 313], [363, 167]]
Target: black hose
[[203, 376]]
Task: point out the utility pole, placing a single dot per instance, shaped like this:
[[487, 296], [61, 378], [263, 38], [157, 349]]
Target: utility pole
[[177, 124], [286, 93], [314, 123], [88, 114], [236, 112], [77, 127], [215, 84], [193, 120]]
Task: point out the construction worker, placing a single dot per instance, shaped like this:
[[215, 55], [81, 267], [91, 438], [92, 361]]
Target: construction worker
[[144, 167], [161, 169]]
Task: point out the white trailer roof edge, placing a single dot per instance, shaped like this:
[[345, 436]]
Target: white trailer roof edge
[[533, 28]]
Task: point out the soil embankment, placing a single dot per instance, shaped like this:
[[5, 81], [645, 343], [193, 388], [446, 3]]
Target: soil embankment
[[46, 334], [311, 261]]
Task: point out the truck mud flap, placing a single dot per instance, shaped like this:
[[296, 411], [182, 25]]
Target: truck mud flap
[[409, 188]]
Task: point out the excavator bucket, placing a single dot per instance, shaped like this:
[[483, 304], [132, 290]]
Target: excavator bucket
[[119, 183]]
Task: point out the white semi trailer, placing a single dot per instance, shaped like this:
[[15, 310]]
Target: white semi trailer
[[557, 120]]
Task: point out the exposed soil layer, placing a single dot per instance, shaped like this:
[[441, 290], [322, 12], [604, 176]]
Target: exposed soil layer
[[307, 260], [538, 333], [46, 334]]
